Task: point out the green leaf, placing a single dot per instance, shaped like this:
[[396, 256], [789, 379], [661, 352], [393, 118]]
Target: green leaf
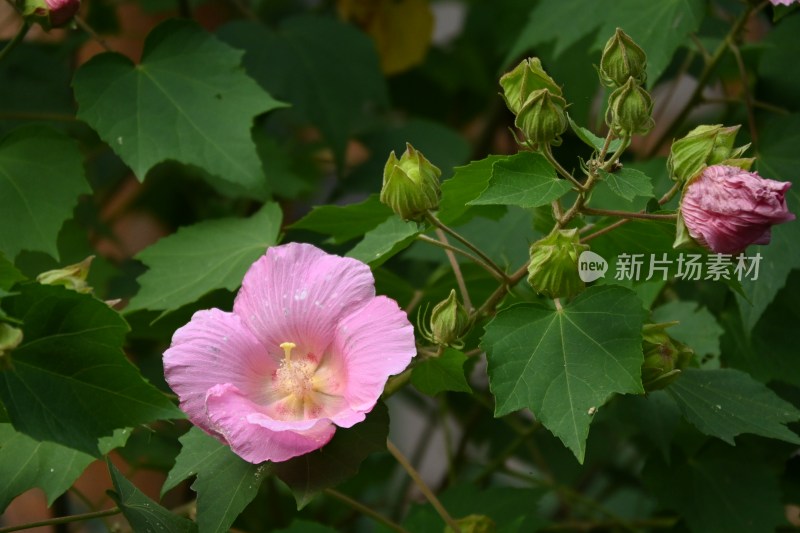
[[778, 72], [655, 417], [187, 101], [330, 86], [345, 222], [440, 374], [26, 463], [725, 402], [467, 183], [225, 482], [70, 382], [525, 180], [778, 159], [41, 177], [141, 512], [213, 254], [385, 240], [562, 364], [9, 275], [720, 490], [591, 139], [628, 183], [698, 328], [567, 21], [338, 460]]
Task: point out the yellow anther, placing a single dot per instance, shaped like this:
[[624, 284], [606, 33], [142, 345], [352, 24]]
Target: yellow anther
[[287, 349]]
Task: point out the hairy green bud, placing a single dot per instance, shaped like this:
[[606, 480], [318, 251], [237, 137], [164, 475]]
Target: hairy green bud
[[664, 357], [553, 268], [543, 118], [527, 77], [705, 146], [630, 110], [622, 59], [449, 321], [410, 184]]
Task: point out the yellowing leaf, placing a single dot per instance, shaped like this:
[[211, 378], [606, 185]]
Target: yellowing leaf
[[401, 29]]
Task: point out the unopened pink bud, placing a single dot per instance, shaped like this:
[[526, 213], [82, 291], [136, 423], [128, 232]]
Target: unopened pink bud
[[726, 209], [62, 11]]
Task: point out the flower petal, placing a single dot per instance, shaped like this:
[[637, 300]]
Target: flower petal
[[375, 342], [297, 293], [256, 437], [213, 348]]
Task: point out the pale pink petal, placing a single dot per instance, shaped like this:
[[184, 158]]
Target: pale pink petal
[[297, 293], [374, 342], [215, 347], [255, 437], [726, 208]]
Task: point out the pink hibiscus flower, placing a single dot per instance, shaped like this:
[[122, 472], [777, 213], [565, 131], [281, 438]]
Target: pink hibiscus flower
[[308, 347], [726, 209]]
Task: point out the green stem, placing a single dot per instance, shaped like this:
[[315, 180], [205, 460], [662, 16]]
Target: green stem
[[547, 151], [627, 214], [608, 165], [661, 201], [63, 520], [366, 511], [423, 487], [464, 253], [499, 293], [82, 24], [702, 81], [23, 31], [477, 251], [462, 286]]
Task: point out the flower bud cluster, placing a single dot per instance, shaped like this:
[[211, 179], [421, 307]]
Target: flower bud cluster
[[536, 100], [623, 68]]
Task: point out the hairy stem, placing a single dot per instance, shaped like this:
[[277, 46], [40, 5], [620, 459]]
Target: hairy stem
[[10, 45], [63, 520], [423, 487], [462, 286], [547, 152], [477, 251], [366, 511], [627, 214], [661, 201], [705, 77]]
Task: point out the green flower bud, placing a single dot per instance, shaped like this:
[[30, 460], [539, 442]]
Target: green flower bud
[[705, 146], [474, 523], [630, 110], [410, 184], [449, 321], [527, 77], [10, 338], [72, 277], [664, 357], [553, 269], [622, 59], [543, 118]]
